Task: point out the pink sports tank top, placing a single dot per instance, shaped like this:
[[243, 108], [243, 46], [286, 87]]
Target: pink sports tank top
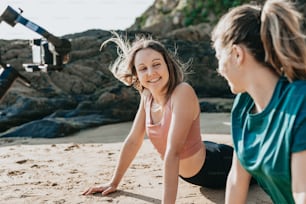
[[158, 132]]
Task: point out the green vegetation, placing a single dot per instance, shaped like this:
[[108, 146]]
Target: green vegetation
[[141, 21], [201, 11]]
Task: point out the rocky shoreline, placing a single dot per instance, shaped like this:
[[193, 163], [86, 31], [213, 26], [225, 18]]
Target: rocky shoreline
[[85, 94]]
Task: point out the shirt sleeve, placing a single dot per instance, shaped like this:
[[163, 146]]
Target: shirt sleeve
[[299, 131]]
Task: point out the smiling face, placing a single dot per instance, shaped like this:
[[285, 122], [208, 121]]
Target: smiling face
[[152, 70], [228, 66]]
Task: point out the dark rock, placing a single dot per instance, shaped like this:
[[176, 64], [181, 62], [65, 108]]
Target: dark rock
[[57, 127], [85, 94]]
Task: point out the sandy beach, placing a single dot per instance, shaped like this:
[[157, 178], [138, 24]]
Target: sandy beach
[[59, 170]]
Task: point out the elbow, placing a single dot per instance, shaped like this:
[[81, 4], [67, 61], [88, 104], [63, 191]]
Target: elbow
[[172, 154], [299, 193], [299, 197], [231, 180], [171, 159], [133, 142]]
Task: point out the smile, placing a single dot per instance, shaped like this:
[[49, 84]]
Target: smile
[[154, 80]]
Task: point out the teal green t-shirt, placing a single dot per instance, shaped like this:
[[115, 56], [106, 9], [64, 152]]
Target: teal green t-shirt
[[265, 141]]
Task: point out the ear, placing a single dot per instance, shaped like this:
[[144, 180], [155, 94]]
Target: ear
[[238, 53]]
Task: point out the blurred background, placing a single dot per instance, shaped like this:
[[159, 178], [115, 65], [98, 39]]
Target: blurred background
[[84, 93]]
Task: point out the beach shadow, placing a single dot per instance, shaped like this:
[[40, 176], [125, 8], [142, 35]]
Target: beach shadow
[[120, 193], [214, 195], [255, 195]]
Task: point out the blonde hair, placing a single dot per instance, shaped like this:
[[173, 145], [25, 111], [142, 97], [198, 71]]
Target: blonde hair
[[272, 34], [123, 68]]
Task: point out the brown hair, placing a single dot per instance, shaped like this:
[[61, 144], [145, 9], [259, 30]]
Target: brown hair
[[124, 69], [272, 34]]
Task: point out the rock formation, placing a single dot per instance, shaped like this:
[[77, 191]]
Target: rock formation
[[85, 94]]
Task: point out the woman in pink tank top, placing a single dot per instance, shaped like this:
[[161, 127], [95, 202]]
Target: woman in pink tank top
[[169, 115]]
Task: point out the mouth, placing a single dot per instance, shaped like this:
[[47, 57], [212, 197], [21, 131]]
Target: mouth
[[154, 80]]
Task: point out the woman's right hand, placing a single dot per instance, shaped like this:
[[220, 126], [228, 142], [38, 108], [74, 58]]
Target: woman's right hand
[[103, 189]]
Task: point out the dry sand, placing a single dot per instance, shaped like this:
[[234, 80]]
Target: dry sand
[[59, 170]]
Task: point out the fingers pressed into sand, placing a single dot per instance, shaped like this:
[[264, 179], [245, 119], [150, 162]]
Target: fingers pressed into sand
[[93, 190], [105, 190], [108, 190]]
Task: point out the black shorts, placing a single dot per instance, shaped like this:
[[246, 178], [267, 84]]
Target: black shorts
[[216, 167]]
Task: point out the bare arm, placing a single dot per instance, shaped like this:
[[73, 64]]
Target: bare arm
[[185, 108], [128, 152], [237, 185], [298, 169]]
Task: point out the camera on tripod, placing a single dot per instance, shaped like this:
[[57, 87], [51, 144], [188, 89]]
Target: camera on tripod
[[44, 57], [49, 53]]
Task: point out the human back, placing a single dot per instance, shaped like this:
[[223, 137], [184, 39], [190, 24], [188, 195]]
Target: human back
[[266, 140], [265, 47]]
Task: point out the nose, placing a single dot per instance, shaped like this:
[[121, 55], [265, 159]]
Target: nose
[[221, 71], [150, 71]]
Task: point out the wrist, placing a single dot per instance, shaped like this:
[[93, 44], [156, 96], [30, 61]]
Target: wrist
[[114, 183]]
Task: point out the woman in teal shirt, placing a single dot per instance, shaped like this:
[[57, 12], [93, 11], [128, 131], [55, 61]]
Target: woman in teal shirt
[[262, 55]]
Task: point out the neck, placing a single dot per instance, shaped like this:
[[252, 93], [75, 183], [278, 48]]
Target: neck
[[261, 89], [159, 99]]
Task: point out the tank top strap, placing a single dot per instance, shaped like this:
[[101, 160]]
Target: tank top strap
[[148, 101]]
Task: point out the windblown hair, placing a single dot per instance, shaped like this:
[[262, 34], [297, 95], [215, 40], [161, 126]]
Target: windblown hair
[[272, 34], [124, 68]]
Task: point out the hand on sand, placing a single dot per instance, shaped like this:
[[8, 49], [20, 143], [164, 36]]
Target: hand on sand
[[104, 189]]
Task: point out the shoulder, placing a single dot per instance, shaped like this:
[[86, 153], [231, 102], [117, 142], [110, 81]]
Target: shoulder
[[295, 94], [184, 94], [184, 91], [298, 87], [297, 106], [183, 88], [185, 98]]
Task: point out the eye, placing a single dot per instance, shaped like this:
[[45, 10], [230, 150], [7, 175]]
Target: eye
[[156, 64], [143, 68]]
